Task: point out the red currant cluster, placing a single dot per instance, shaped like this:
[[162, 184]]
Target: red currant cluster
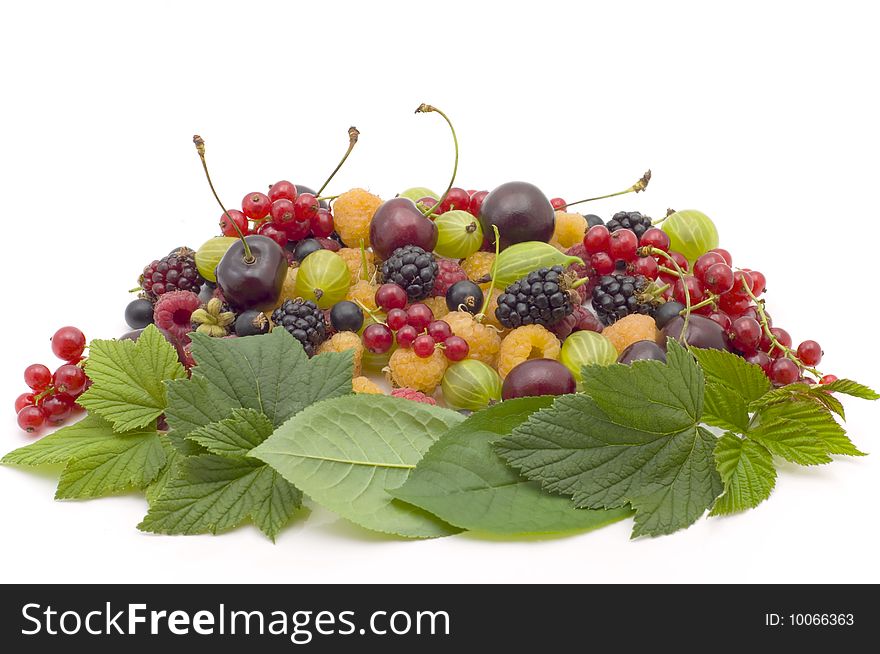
[[283, 215], [53, 396], [457, 199], [413, 327]]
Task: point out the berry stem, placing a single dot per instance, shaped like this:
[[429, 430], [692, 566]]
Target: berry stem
[[699, 305], [353, 134], [479, 317], [365, 268], [424, 109], [249, 258], [369, 312], [680, 274], [658, 221], [638, 187]]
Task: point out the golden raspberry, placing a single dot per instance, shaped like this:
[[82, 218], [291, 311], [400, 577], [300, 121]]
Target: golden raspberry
[[483, 339], [352, 213], [524, 343], [363, 292], [478, 265], [352, 257], [490, 318], [407, 369], [628, 330], [570, 229], [342, 341], [365, 385], [437, 305]]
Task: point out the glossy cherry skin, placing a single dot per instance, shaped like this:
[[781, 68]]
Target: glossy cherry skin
[[399, 222], [538, 377], [257, 284], [520, 211]]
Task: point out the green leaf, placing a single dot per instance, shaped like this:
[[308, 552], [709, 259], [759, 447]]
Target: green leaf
[[814, 417], [127, 378], [64, 444], [606, 456], [734, 373], [792, 440], [465, 483], [348, 453], [173, 458], [214, 493], [800, 391], [747, 471], [725, 408], [234, 436], [849, 387]]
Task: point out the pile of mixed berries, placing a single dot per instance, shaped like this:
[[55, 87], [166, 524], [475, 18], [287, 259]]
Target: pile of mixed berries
[[422, 288]]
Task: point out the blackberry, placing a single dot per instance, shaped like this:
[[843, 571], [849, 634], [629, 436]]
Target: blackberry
[[305, 322], [413, 269], [175, 272], [619, 295], [541, 298], [632, 220]]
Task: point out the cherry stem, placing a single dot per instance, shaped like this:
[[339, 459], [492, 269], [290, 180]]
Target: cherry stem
[[638, 187], [765, 325], [488, 297], [680, 274], [424, 109], [353, 134], [365, 268], [249, 258], [328, 198], [370, 313]]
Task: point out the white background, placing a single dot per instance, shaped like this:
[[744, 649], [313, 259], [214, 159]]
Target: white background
[[763, 115]]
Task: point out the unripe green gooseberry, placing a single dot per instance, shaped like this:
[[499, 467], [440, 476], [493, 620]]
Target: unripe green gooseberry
[[690, 232], [459, 234], [323, 278], [471, 384], [586, 348]]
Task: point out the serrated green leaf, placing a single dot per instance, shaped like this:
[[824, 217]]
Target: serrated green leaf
[[819, 421], [127, 379], [800, 391], [169, 471], [214, 493], [849, 387], [725, 408], [236, 435], [348, 453], [665, 469], [747, 471], [465, 483], [64, 444], [745, 379], [792, 440]]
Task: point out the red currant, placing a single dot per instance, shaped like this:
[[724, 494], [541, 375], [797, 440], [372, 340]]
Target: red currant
[[68, 344], [439, 330], [680, 260], [760, 359], [597, 239], [781, 335], [741, 280], [270, 231], [724, 253], [718, 278], [378, 338], [427, 203], [623, 245], [31, 418], [423, 346], [256, 205], [646, 266], [227, 226], [655, 238], [810, 353], [297, 230], [37, 376], [558, 204], [456, 348], [457, 198], [57, 407], [733, 305], [828, 379], [721, 318], [745, 334], [759, 282], [306, 205], [322, 223], [701, 265], [23, 400], [283, 213], [406, 335], [390, 296], [783, 371], [602, 263], [70, 379], [396, 319], [282, 190], [419, 316], [694, 289]]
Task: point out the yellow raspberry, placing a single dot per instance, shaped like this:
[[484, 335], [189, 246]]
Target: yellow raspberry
[[342, 341], [490, 318], [363, 292], [437, 305], [287, 291], [352, 258], [483, 340], [570, 229], [628, 330], [524, 343], [365, 385], [407, 369], [352, 213], [478, 265]]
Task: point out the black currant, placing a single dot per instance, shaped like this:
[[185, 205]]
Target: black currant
[[592, 220], [666, 312], [139, 314], [251, 323], [305, 247], [464, 294], [346, 316]]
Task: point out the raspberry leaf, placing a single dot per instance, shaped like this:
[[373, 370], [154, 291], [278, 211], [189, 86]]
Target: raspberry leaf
[[746, 380], [792, 440], [725, 408], [127, 379], [464, 482], [645, 447], [849, 387], [817, 419], [348, 453], [64, 444], [234, 436], [747, 471]]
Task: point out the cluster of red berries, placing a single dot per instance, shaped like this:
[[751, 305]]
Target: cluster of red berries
[[457, 199], [412, 326], [283, 215], [52, 397]]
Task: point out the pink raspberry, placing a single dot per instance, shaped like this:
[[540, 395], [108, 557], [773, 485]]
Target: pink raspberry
[[414, 395], [585, 290], [449, 272], [580, 320], [173, 313]]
